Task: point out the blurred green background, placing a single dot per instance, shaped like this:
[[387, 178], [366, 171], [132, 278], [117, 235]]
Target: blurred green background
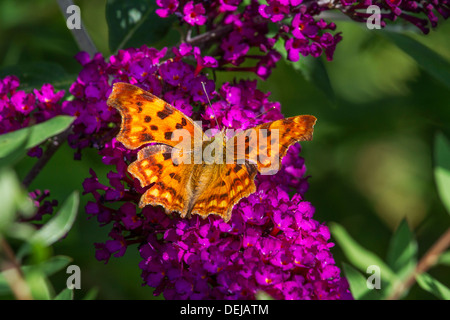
[[371, 161]]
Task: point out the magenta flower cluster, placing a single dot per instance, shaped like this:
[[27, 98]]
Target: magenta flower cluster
[[244, 35], [19, 109], [272, 243], [422, 14], [251, 30]]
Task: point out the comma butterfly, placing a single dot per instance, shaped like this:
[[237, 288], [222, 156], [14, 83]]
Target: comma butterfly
[[181, 181]]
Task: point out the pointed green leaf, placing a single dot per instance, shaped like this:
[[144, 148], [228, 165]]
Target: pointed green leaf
[[442, 168], [358, 284], [39, 285], [359, 256], [12, 150], [60, 224], [429, 60], [313, 69], [21, 230], [134, 23], [402, 251], [35, 134], [92, 294], [428, 283], [47, 268], [54, 264], [34, 74], [262, 295], [13, 199], [66, 294], [444, 259]]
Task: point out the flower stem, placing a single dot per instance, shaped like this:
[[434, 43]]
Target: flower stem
[[55, 143], [427, 261], [209, 35], [13, 274], [81, 36]]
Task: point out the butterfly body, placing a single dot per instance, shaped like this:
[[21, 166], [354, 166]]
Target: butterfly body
[[200, 175]]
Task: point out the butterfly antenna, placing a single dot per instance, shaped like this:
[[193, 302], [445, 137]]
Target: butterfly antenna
[[263, 113], [209, 102]]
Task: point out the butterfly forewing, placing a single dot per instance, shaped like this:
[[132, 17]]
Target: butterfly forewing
[[146, 118], [267, 144]]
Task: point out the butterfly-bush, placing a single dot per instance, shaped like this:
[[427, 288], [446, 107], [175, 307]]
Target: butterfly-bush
[[256, 30], [272, 242], [19, 109]]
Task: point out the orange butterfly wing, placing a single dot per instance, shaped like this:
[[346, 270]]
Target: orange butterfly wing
[[170, 179], [146, 118], [228, 184], [266, 144]]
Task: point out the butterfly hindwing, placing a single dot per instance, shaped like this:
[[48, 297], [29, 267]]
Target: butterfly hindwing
[[228, 184], [170, 178]]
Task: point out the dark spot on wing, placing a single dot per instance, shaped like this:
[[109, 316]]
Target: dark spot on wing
[[165, 112], [251, 169], [175, 176], [146, 137], [168, 135], [148, 97]]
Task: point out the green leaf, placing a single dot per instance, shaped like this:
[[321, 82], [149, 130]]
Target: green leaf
[[34, 135], [359, 256], [35, 74], [429, 60], [442, 168], [134, 23], [428, 283], [444, 259], [39, 285], [402, 251], [92, 294], [47, 268], [54, 264], [56, 228], [262, 295], [314, 71], [13, 199], [12, 150], [60, 224], [21, 230], [66, 294], [358, 284]]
